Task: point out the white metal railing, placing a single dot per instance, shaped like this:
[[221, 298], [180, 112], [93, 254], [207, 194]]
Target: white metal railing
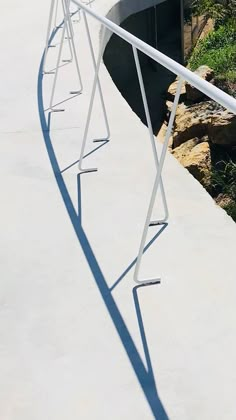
[[137, 45]]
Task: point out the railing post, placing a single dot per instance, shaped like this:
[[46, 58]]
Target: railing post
[[67, 21], [96, 83], [155, 189], [68, 33], [152, 139], [48, 34], [54, 10], [99, 84], [55, 15], [138, 45]]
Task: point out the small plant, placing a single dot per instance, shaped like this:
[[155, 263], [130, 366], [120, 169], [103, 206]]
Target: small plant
[[223, 179], [223, 183], [219, 11], [218, 51], [231, 210]]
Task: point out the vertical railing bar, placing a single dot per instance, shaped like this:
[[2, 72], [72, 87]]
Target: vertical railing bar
[[53, 10], [48, 34], [55, 15], [95, 83], [150, 129], [68, 18], [59, 59], [57, 70], [155, 189], [99, 83], [69, 35]]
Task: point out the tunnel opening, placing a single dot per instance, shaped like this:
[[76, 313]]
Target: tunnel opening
[[160, 27]]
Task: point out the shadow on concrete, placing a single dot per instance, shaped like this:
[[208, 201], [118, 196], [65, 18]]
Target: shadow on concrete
[[132, 264], [144, 375], [103, 142], [141, 327], [64, 100]]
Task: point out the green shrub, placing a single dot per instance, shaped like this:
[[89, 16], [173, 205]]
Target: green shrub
[[223, 179], [218, 10], [231, 210], [218, 51], [220, 60]]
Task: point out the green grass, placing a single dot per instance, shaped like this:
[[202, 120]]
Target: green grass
[[218, 51], [223, 179], [231, 210]]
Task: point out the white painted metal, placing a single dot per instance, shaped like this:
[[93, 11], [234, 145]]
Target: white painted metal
[[66, 27], [183, 74], [68, 251], [152, 138], [207, 88], [177, 69], [69, 32], [54, 12], [95, 84], [155, 189], [48, 33], [55, 15]]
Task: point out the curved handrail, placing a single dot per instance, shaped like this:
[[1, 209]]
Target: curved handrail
[[207, 88], [179, 70]]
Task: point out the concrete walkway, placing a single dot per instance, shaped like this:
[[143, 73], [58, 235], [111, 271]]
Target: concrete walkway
[[78, 340]]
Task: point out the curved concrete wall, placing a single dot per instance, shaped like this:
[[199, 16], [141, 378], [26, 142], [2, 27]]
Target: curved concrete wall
[[122, 9], [161, 28]]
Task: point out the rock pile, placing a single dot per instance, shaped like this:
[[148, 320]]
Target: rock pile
[[199, 124]]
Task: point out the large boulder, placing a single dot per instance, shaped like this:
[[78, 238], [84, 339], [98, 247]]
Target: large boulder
[[192, 121], [173, 88], [204, 119], [222, 129], [195, 156], [193, 94], [182, 152]]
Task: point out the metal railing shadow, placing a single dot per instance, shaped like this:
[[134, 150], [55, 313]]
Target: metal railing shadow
[[132, 264], [141, 328], [144, 375]]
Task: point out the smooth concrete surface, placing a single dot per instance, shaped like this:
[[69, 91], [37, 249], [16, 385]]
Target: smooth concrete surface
[[78, 340]]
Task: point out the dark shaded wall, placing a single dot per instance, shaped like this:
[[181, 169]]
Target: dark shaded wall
[[160, 27]]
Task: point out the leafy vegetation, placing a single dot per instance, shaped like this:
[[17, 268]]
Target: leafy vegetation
[[231, 210], [223, 178], [218, 10], [218, 51]]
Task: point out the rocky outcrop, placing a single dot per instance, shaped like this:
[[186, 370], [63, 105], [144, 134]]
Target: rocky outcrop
[[222, 129], [195, 155], [223, 200], [204, 134], [193, 94], [191, 121], [204, 119], [182, 151]]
